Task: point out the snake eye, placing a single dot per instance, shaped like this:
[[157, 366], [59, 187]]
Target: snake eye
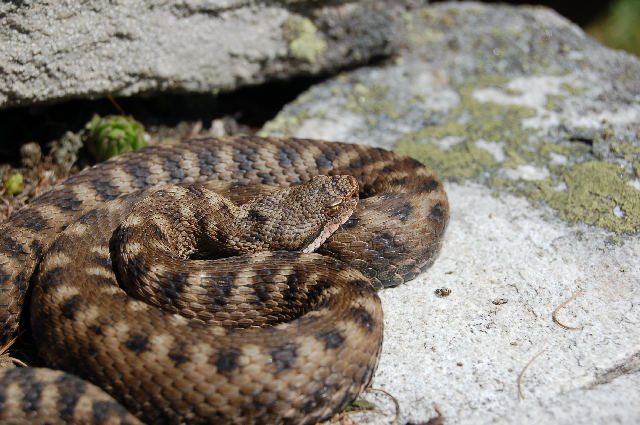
[[334, 207]]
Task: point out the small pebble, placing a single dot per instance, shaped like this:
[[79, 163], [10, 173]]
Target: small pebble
[[30, 154]]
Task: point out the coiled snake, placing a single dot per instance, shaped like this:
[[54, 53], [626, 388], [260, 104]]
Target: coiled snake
[[263, 337]]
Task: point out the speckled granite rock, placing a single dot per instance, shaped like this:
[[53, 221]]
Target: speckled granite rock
[[51, 52], [535, 128]]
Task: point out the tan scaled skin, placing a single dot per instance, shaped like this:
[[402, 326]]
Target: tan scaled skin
[[167, 368], [179, 230]]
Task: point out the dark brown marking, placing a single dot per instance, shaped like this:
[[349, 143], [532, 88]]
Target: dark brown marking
[[137, 343], [244, 157], [207, 160], [70, 388], [357, 163], [225, 208], [30, 220], [100, 261], [11, 246], [383, 241], [177, 353], [227, 359], [71, 202], [399, 181], [221, 237], [139, 174], [363, 318], [32, 392], [100, 281], [96, 329], [260, 290], [429, 186], [256, 215], [177, 283], [105, 188], [292, 293], [361, 284], [4, 276], [326, 159], [171, 164], [178, 358], [287, 156], [254, 236], [120, 237], [436, 211], [266, 178], [70, 306], [157, 232], [195, 190], [331, 338], [221, 285], [402, 212], [36, 248], [104, 410], [284, 356], [91, 217]]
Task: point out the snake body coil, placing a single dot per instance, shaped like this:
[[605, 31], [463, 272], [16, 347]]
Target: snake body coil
[[210, 364]]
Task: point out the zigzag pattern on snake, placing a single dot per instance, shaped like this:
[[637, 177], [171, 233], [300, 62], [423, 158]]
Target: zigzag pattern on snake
[[165, 368]]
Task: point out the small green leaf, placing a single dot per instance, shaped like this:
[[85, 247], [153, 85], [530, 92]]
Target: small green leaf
[[13, 184], [359, 405]]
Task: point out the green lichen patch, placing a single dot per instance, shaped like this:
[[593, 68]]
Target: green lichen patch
[[461, 161], [470, 121], [367, 100], [555, 102], [284, 123], [302, 35], [572, 90], [629, 152], [597, 193]]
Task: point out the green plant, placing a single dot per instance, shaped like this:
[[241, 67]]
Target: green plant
[[112, 135]]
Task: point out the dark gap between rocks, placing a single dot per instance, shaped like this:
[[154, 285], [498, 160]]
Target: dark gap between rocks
[[250, 107]]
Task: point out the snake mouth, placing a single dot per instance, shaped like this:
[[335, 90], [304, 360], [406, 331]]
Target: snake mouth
[[323, 234], [330, 227]]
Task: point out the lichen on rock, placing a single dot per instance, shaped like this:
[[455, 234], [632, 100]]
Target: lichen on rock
[[303, 38]]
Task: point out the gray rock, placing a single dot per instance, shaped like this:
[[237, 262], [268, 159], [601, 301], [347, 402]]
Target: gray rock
[[51, 52], [535, 129]]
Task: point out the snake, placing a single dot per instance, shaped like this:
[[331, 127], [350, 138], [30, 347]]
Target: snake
[[271, 323]]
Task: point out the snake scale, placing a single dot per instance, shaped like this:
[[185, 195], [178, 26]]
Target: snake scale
[[220, 361]]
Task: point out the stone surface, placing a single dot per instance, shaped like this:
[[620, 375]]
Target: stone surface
[[535, 129], [52, 52]]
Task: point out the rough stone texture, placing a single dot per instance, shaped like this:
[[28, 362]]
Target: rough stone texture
[[536, 130], [512, 98], [51, 52]]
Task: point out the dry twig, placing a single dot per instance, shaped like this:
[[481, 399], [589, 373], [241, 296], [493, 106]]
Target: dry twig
[[524, 369], [5, 355], [555, 319]]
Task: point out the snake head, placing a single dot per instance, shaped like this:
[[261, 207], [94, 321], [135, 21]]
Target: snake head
[[302, 217], [336, 198]]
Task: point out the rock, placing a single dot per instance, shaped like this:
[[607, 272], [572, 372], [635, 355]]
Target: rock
[[535, 129], [52, 52], [30, 154]]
